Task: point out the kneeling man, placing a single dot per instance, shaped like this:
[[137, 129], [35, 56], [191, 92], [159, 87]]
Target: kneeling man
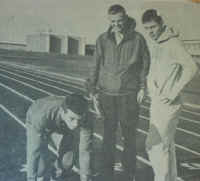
[[46, 119]]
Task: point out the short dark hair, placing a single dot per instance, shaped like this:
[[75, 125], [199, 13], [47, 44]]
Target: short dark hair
[[151, 15], [116, 8], [76, 103]]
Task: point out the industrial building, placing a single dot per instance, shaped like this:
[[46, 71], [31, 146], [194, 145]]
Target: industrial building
[[71, 45], [53, 43], [89, 49], [192, 46]]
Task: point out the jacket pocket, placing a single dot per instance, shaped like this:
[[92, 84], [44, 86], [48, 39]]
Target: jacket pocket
[[108, 80]]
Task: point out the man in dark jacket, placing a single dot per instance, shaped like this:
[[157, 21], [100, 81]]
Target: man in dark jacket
[[122, 64], [46, 119]]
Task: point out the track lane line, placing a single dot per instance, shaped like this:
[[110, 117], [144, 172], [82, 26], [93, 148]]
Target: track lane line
[[95, 134], [52, 149], [178, 128], [186, 104], [42, 83], [182, 147], [16, 92], [24, 126], [46, 72], [77, 170], [83, 80], [28, 85], [47, 78], [145, 107], [181, 117]]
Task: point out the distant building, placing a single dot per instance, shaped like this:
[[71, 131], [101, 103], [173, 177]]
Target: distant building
[[89, 49], [193, 46], [49, 42]]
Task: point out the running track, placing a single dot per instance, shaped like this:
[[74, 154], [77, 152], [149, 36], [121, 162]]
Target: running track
[[19, 87]]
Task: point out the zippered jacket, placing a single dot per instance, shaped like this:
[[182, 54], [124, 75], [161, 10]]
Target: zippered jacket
[[121, 69], [171, 68], [44, 113]]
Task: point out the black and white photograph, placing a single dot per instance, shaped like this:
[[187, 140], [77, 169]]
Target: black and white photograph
[[100, 90]]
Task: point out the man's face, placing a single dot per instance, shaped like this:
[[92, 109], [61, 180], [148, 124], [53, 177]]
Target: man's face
[[153, 29], [70, 118], [117, 21]]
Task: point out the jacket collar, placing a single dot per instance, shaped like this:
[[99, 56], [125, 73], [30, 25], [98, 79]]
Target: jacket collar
[[168, 33]]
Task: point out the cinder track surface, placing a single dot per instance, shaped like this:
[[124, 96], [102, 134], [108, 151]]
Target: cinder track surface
[[19, 87]]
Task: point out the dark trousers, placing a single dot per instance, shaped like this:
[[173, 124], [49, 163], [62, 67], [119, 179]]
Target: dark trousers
[[123, 109]]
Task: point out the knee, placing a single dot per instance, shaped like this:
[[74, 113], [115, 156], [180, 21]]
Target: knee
[[153, 138], [67, 160], [85, 136], [43, 167], [85, 144], [41, 171]]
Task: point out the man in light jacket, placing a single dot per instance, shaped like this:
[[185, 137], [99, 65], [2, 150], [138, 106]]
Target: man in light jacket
[[171, 69], [122, 64]]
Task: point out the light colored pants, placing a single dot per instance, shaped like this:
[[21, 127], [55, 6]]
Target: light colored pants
[[160, 140]]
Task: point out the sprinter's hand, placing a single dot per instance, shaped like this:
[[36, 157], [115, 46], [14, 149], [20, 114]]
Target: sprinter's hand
[[140, 96]]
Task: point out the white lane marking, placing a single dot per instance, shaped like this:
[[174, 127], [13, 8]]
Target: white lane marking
[[177, 145], [186, 104], [52, 149], [56, 153], [31, 100], [182, 147], [191, 112], [46, 72], [142, 131], [120, 148], [24, 126], [42, 83], [28, 85], [180, 129], [196, 106], [41, 77], [181, 117], [189, 120], [145, 107], [188, 150], [83, 80], [15, 92], [12, 115], [188, 132], [191, 165]]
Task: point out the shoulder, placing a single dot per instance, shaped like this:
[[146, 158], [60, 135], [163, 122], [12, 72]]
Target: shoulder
[[139, 37], [176, 45], [102, 37], [175, 42]]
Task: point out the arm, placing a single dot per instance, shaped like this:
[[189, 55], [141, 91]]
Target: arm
[[92, 81], [145, 58], [187, 71], [34, 143], [86, 149]]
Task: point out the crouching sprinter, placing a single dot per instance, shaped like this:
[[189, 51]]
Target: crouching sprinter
[[47, 120]]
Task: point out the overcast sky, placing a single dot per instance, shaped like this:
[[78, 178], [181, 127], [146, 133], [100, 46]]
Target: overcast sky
[[88, 17]]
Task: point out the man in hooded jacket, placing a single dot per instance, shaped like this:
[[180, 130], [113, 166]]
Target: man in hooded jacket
[[122, 64], [172, 68]]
